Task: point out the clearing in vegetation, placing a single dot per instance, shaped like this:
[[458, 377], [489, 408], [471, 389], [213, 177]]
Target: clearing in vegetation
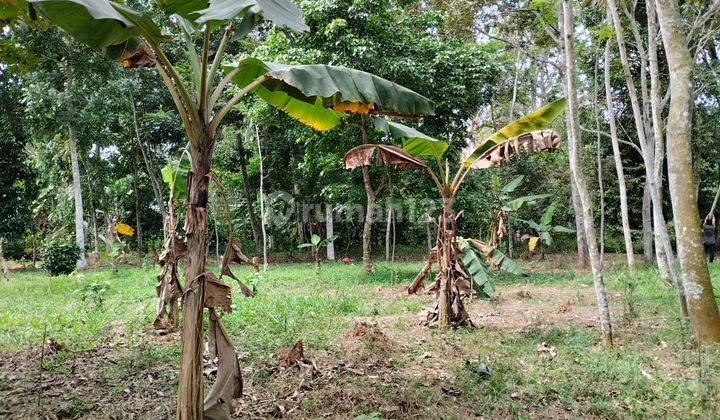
[[536, 351]]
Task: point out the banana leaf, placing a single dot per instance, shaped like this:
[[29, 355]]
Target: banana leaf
[[175, 175], [319, 95], [280, 12], [414, 142], [98, 23], [536, 120], [474, 265], [522, 202]]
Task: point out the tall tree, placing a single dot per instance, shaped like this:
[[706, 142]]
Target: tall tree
[[576, 169], [702, 306]]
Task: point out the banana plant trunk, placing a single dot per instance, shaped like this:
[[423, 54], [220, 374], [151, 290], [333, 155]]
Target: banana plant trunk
[[190, 387], [446, 262], [449, 308]]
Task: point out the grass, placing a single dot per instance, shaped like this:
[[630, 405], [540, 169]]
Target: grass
[[655, 370]]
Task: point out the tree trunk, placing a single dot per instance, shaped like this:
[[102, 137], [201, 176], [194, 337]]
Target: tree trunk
[[149, 167], [249, 202], [329, 230], [647, 229], [262, 202], [581, 239], [367, 225], [622, 186], [388, 232], [663, 249], [582, 249], [138, 226], [575, 148], [446, 262], [601, 186], [190, 385], [704, 317], [77, 189]]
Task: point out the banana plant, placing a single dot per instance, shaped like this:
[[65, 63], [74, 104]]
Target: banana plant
[[316, 242], [452, 283], [316, 95], [507, 204], [543, 229]]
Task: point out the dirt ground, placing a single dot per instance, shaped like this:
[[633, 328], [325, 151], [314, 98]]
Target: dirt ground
[[373, 360]]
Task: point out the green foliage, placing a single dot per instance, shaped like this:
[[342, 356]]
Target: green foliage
[[59, 257], [317, 95], [544, 227], [96, 292]]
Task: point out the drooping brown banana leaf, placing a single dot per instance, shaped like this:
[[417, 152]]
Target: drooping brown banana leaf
[[228, 385], [233, 254], [386, 155], [414, 142], [535, 141], [539, 119], [320, 95]]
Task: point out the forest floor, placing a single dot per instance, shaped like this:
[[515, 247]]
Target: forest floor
[[535, 352]]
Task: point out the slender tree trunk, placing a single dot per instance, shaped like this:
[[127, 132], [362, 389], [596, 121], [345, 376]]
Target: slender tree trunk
[[367, 224], [704, 317], [190, 385], [622, 186], [329, 231], [663, 248], [647, 229], [262, 202], [392, 254], [149, 167], [581, 239], [138, 226], [388, 232], [249, 202], [582, 248], [575, 148], [518, 65], [77, 189], [601, 186]]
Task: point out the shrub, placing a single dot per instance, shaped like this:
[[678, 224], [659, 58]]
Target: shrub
[[59, 257]]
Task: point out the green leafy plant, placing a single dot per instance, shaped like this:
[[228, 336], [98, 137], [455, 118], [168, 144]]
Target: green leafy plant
[[452, 285], [508, 204], [478, 259], [59, 257], [95, 292], [315, 244], [543, 229]]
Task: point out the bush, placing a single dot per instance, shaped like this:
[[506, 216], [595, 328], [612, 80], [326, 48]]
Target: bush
[[59, 257]]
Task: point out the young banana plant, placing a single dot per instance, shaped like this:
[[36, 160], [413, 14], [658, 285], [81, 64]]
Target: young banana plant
[[452, 283], [316, 95]]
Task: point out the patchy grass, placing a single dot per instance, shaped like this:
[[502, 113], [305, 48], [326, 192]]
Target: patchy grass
[[537, 339]]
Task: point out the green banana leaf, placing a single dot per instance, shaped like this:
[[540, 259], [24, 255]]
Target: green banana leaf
[[505, 263], [547, 217], [476, 268], [280, 12], [511, 186], [414, 142], [99, 23], [522, 202], [537, 120], [175, 175], [318, 95]]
